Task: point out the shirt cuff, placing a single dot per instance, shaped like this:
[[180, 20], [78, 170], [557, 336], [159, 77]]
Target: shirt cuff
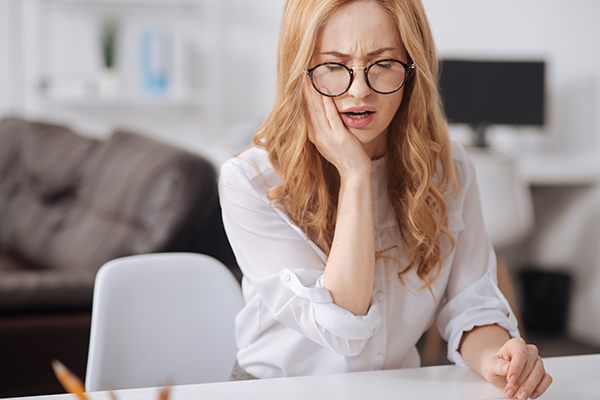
[[493, 318], [331, 317], [480, 304]]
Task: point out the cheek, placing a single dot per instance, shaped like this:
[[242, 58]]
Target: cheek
[[392, 104]]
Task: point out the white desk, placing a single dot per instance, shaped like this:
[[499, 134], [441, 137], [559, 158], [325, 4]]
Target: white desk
[[560, 169], [575, 378]]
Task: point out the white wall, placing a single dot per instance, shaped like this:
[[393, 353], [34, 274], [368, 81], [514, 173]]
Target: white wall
[[6, 39], [565, 33], [252, 31]]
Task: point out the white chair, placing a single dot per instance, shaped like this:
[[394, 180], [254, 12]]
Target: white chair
[[505, 198], [162, 319]]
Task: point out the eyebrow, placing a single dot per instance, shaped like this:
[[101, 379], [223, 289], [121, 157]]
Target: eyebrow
[[373, 53]]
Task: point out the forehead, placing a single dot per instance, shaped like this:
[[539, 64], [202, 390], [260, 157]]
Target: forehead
[[359, 28]]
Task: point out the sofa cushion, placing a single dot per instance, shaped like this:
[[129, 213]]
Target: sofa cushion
[[33, 227], [49, 157], [41, 165], [54, 157], [10, 263], [25, 290], [140, 180], [135, 196], [11, 132]]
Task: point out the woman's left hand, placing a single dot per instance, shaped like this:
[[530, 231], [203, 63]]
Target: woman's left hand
[[518, 370]]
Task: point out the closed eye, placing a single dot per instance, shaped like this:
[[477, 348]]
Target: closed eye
[[334, 67], [384, 65]]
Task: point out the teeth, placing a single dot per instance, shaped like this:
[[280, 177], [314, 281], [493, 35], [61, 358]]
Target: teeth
[[358, 115]]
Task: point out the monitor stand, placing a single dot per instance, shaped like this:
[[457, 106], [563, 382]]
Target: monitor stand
[[480, 135]]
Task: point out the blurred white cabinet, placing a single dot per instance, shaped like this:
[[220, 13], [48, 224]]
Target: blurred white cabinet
[[165, 54]]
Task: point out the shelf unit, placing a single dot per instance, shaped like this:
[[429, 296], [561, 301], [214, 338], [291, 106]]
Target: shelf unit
[[63, 59]]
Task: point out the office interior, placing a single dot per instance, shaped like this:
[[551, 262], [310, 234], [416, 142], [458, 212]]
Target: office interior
[[199, 75]]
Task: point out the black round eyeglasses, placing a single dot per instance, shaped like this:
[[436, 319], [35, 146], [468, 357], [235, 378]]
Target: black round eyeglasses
[[333, 79]]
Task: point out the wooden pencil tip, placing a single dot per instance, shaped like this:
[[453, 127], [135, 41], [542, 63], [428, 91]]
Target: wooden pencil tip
[[58, 367]]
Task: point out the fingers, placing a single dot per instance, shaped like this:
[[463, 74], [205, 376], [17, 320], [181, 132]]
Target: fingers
[[501, 367], [542, 386], [333, 117], [532, 358], [325, 108], [519, 354], [526, 375], [532, 381], [316, 113]]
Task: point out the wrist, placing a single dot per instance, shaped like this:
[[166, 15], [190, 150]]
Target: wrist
[[355, 176], [481, 344]]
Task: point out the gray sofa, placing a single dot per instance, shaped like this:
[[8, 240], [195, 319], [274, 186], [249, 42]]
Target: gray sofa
[[68, 204]]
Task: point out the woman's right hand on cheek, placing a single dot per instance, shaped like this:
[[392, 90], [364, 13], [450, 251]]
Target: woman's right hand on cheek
[[331, 137]]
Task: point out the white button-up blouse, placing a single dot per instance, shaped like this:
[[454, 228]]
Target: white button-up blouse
[[290, 325]]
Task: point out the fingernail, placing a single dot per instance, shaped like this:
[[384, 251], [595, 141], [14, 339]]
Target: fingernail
[[523, 396], [509, 393], [512, 378], [534, 396]]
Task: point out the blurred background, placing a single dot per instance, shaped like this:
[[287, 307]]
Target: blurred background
[[188, 72], [199, 75]]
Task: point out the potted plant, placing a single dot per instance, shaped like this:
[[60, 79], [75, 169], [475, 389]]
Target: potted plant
[[108, 81]]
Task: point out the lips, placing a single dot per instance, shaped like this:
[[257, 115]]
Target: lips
[[358, 117]]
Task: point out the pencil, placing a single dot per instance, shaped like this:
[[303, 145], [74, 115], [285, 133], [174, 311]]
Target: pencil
[[68, 380], [164, 393]]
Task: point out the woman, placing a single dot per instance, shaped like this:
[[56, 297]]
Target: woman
[[354, 219]]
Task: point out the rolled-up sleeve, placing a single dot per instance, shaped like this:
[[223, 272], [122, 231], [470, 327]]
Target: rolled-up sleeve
[[472, 296], [286, 268]]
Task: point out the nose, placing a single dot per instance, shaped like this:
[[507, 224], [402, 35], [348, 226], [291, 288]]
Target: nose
[[359, 88]]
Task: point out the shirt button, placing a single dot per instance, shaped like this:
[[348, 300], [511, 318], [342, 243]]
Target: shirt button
[[379, 358], [287, 277], [379, 295]]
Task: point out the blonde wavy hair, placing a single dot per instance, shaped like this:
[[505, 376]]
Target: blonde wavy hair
[[419, 165]]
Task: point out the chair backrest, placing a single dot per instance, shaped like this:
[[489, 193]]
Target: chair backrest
[[162, 319]]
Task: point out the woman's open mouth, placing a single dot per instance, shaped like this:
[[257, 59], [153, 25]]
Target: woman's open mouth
[[359, 115], [357, 118]]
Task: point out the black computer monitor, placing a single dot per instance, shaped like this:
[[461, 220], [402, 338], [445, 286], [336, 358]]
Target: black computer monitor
[[490, 92]]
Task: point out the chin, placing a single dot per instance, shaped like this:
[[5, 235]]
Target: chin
[[365, 136]]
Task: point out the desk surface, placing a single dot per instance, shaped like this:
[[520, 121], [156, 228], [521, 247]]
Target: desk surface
[[560, 169], [575, 378]]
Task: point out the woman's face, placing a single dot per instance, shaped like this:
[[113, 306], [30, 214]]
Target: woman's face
[[358, 35]]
